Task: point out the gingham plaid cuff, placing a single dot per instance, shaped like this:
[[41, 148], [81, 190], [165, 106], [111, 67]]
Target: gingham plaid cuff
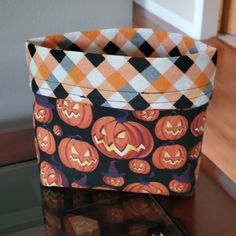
[[131, 69]]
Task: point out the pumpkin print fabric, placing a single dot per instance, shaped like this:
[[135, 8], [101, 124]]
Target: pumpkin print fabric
[[118, 151], [124, 118]]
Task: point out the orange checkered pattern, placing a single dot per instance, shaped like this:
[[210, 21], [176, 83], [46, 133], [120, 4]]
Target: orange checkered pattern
[[123, 68]]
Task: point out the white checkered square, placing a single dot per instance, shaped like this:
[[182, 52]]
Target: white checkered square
[[33, 67], [183, 83], [59, 73], [43, 53], [116, 61], [95, 77], [139, 83], [162, 64]]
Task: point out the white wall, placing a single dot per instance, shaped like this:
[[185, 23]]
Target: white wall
[[196, 18], [22, 19], [179, 7]]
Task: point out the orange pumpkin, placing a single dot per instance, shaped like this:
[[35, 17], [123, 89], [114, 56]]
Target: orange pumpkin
[[113, 177], [147, 187], [42, 114], [179, 187], [114, 181], [147, 115], [74, 113], [121, 139], [169, 157], [139, 166], [78, 154], [50, 176], [46, 141], [171, 127], [195, 151], [57, 130], [198, 124]]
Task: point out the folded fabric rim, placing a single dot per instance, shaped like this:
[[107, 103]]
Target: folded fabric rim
[[123, 68]]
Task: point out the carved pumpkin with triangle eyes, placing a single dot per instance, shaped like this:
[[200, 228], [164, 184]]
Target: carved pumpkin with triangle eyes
[[121, 139], [147, 187], [45, 140], [198, 124], [195, 151], [50, 176], [179, 187], [74, 113], [171, 127], [78, 154], [139, 166], [147, 115], [169, 157], [42, 114]]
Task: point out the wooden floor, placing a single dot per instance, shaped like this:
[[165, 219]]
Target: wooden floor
[[220, 138]]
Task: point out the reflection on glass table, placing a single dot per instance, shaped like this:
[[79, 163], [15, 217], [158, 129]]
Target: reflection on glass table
[[30, 209]]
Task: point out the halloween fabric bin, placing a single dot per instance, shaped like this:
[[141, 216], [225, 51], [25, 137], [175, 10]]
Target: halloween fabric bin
[[120, 109]]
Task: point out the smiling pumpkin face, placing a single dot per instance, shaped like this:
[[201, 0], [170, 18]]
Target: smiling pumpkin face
[[79, 155], [147, 115], [42, 114], [195, 151], [121, 139], [171, 127], [114, 181], [139, 166], [50, 176], [169, 157], [198, 124], [46, 142], [74, 113], [179, 187]]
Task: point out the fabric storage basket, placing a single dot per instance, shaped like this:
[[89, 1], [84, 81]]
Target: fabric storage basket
[[120, 109]]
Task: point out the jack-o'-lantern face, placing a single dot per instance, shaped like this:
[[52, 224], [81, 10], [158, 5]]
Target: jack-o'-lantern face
[[45, 140], [42, 114], [57, 130], [179, 187], [171, 127], [195, 151], [114, 181], [139, 166], [169, 157], [121, 139], [198, 124], [49, 176], [79, 155], [147, 115], [147, 187], [74, 113]]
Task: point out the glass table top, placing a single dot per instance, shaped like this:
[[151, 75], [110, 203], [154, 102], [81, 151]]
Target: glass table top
[[26, 208]]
